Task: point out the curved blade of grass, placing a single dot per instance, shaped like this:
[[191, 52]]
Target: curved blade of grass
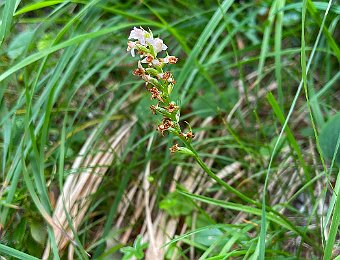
[[334, 229], [278, 39], [336, 189], [217, 52], [292, 141], [322, 6], [326, 87], [313, 11], [75, 40], [42, 4], [204, 37], [265, 44], [42, 208], [6, 250], [7, 17], [238, 207], [190, 233], [306, 90], [29, 118], [170, 28], [235, 237], [263, 221], [6, 135]]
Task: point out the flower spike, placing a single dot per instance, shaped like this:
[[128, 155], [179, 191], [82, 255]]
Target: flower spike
[[158, 82]]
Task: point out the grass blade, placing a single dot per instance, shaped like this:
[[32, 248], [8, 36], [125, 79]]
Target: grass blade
[[6, 250]]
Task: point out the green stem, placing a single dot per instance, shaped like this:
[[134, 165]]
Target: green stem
[[334, 228], [241, 195], [216, 178]]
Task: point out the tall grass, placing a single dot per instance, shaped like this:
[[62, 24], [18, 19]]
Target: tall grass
[[84, 173]]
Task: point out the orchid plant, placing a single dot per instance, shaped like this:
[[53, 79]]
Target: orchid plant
[[160, 84]]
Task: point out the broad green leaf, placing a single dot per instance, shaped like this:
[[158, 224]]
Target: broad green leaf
[[19, 44], [38, 232], [208, 236]]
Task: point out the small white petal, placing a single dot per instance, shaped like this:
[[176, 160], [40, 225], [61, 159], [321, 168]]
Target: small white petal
[[156, 62], [131, 47], [157, 44], [140, 65], [138, 34], [166, 59]]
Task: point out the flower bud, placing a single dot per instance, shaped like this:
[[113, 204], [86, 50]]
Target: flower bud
[[142, 48], [154, 82], [170, 88], [152, 72], [176, 148]]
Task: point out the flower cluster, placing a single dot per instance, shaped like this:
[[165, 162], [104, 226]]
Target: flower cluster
[[159, 82]]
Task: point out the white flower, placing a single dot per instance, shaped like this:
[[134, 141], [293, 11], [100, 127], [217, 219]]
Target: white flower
[[148, 59], [170, 59], [147, 78], [139, 34], [156, 62], [157, 44], [166, 76], [131, 47], [146, 39], [171, 80]]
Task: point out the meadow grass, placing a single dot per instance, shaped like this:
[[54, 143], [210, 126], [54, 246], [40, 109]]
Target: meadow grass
[[85, 174]]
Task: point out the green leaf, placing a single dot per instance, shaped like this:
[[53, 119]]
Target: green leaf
[[199, 45], [38, 233], [19, 44], [37, 6], [137, 251], [15, 253], [75, 40], [209, 236], [329, 136], [127, 249], [6, 19], [330, 248], [176, 204]]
